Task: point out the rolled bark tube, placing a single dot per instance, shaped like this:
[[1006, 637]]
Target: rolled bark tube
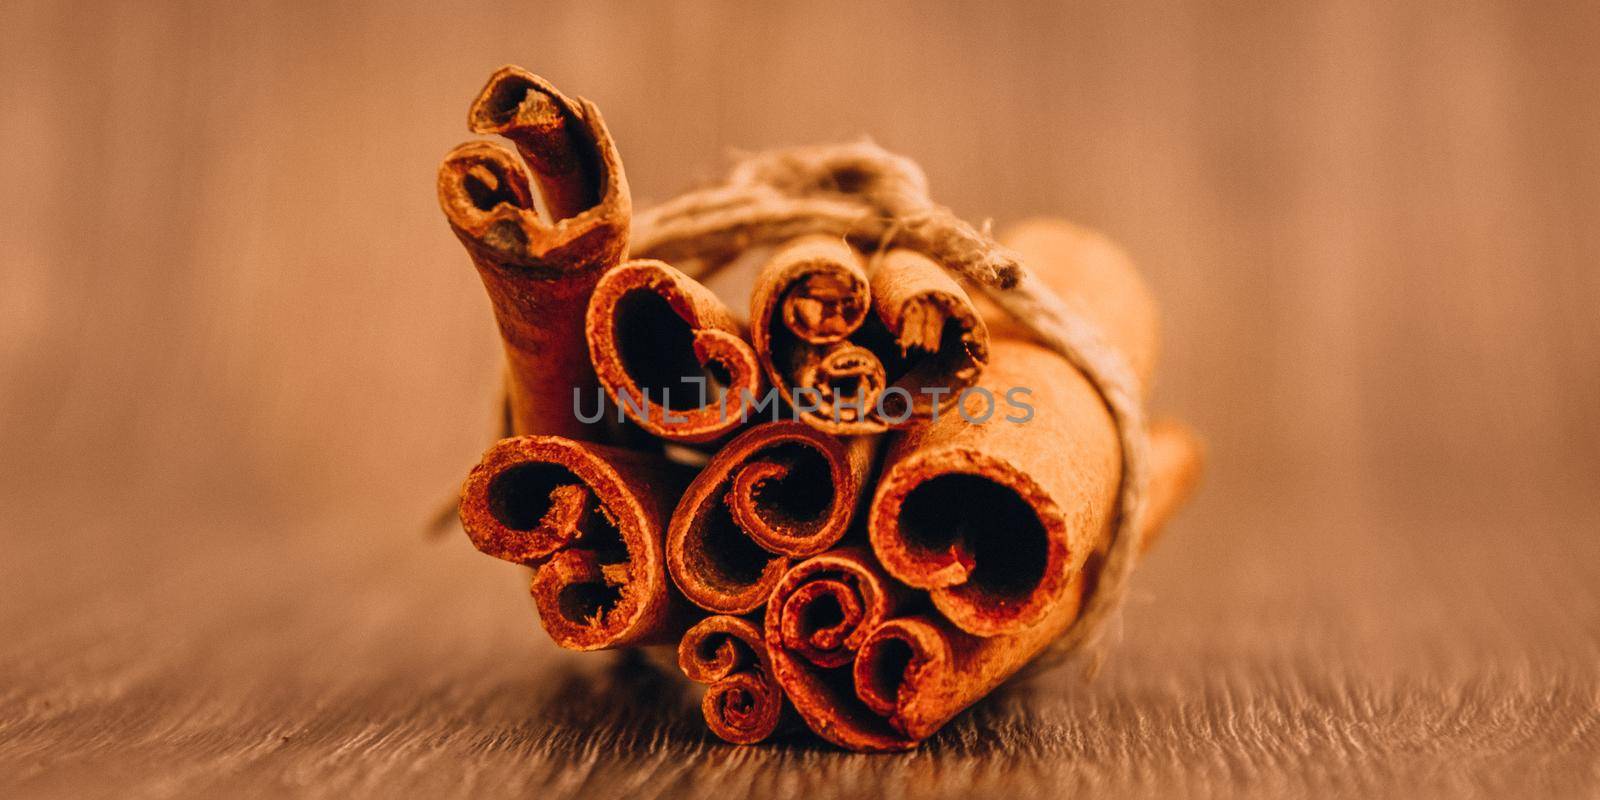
[[539, 272], [589, 520], [670, 354], [778, 491], [863, 347], [994, 510], [822, 611], [919, 671], [743, 703], [940, 340]]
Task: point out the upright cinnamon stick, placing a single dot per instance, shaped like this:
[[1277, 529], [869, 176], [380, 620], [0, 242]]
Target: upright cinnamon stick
[[670, 354], [997, 518], [743, 703], [539, 269], [861, 349], [589, 520], [778, 491], [919, 671]]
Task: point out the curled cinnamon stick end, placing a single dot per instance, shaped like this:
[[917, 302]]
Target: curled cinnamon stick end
[[1046, 476], [920, 671], [743, 703], [821, 613], [808, 299], [995, 518], [853, 353], [588, 519], [550, 131], [539, 273], [940, 340], [670, 354], [777, 491]]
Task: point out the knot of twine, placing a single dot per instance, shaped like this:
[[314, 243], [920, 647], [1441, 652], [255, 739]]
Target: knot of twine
[[861, 192]]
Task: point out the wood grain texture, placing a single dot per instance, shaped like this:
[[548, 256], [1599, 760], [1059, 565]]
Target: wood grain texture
[[241, 357]]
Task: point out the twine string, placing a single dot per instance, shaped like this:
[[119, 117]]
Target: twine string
[[865, 194]]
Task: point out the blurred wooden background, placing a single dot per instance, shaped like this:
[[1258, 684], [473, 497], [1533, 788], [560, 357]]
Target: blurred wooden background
[[241, 358]]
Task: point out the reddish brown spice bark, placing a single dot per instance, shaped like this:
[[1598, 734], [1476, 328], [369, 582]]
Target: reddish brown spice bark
[[670, 354], [919, 671], [836, 339], [997, 517], [539, 268], [588, 519], [743, 703], [822, 611], [780, 490]]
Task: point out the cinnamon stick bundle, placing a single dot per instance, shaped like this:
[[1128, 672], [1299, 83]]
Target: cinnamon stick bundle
[[588, 519], [743, 703], [860, 349], [539, 253], [778, 491], [997, 519], [993, 528], [670, 354]]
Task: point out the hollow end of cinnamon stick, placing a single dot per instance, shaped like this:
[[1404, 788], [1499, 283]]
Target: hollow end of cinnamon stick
[[552, 134], [940, 339], [671, 355], [859, 347], [983, 536], [821, 612], [779, 490], [743, 703], [588, 519], [485, 190]]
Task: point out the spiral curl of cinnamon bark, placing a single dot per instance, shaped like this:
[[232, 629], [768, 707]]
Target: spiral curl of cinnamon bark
[[821, 612], [863, 346], [743, 703], [995, 520], [920, 670], [588, 519], [778, 491], [670, 354], [539, 268]]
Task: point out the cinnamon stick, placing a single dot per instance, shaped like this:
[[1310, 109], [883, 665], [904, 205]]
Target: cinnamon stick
[[863, 348], [588, 519], [919, 671], [778, 491], [997, 518], [670, 354], [822, 611], [539, 269], [743, 703]]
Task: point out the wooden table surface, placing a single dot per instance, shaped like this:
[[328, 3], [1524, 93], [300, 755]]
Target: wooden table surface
[[242, 358]]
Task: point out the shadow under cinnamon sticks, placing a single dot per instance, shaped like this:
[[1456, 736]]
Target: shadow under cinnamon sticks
[[588, 519], [539, 253]]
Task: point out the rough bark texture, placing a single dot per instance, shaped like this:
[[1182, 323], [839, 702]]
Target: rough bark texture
[[539, 269], [589, 519], [670, 354], [851, 341], [743, 703], [997, 509], [777, 491]]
